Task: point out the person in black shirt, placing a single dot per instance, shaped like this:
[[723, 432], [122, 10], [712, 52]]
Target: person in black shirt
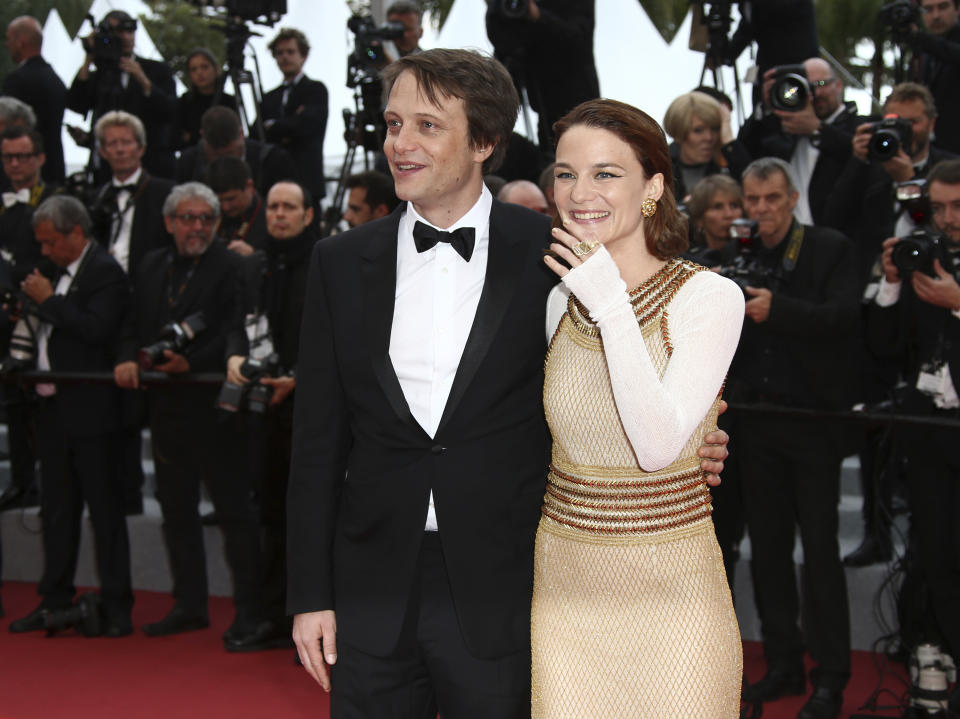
[[206, 90], [937, 65]]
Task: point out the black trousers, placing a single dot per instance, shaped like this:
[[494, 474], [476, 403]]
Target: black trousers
[[78, 470], [933, 475], [432, 670], [192, 441], [791, 478]]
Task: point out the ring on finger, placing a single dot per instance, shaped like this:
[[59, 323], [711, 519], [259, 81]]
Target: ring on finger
[[584, 248]]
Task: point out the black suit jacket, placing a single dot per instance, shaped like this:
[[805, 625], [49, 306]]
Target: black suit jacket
[[102, 92], [938, 67], [299, 128], [17, 240], [36, 83], [363, 469], [763, 138], [86, 325], [268, 164], [148, 231]]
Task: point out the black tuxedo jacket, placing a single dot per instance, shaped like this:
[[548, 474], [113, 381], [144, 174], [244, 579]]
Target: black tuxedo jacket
[[268, 164], [362, 468], [102, 92], [938, 67], [17, 240], [299, 128], [148, 231], [37, 84], [86, 325]]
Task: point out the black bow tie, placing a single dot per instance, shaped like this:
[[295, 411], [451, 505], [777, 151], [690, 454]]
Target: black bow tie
[[461, 239], [117, 189]]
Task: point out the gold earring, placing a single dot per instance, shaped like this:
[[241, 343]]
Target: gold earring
[[648, 208]]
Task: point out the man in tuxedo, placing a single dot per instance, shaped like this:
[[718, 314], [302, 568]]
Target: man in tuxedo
[[79, 319], [937, 65], [36, 83], [194, 285], [420, 378], [142, 87], [295, 114], [223, 137]]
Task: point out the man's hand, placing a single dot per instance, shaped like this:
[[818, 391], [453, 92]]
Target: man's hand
[[713, 451], [175, 364], [899, 167], [890, 271], [130, 65], [802, 122], [315, 634], [726, 127], [282, 387], [758, 306], [942, 290], [240, 247], [861, 142], [127, 375], [534, 11], [37, 287], [234, 362]]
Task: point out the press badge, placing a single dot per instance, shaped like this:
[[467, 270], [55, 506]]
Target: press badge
[[934, 381]]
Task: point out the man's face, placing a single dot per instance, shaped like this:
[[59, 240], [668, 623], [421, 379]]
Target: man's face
[[939, 15], [127, 37], [20, 163], [430, 155], [411, 37], [60, 249], [945, 205], [121, 150], [288, 57], [286, 216], [233, 203], [828, 97], [912, 110], [770, 204], [193, 227], [14, 44], [358, 211]]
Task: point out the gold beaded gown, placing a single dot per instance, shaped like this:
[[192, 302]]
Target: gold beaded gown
[[632, 616]]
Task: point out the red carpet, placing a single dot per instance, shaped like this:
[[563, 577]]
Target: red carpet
[[189, 675]]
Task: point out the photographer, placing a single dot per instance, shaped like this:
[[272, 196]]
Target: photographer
[[548, 49], [785, 32], [916, 317], [186, 318], [937, 65], [79, 320], [244, 226], [295, 114], [813, 138], [371, 197], [801, 309], [407, 14], [281, 300], [142, 87]]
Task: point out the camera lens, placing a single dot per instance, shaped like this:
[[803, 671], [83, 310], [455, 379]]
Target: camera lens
[[884, 145]]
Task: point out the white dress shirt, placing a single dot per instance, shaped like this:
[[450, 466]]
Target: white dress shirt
[[122, 224], [436, 300], [804, 162]]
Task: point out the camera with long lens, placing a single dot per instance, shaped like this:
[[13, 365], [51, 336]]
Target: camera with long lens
[[899, 16], [913, 197], [790, 91], [917, 251], [368, 40], [254, 395], [105, 44], [85, 616], [888, 136], [743, 267], [174, 336]]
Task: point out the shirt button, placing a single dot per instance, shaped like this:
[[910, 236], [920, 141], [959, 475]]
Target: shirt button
[[438, 449]]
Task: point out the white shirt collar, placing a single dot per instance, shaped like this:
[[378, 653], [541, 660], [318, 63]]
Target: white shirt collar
[[477, 216], [132, 180]]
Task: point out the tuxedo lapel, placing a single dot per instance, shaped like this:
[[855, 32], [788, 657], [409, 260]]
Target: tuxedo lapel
[[504, 266], [379, 277]]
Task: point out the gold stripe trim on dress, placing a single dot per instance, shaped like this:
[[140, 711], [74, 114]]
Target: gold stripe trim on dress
[[549, 525]]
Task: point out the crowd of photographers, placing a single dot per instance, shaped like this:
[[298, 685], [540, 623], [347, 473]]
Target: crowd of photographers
[[186, 254]]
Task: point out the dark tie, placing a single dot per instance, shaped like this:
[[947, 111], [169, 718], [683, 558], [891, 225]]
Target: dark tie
[[461, 239]]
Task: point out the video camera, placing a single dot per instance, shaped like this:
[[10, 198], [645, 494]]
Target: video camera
[[367, 44], [743, 268], [105, 44], [254, 394], [790, 91], [899, 16], [917, 251], [262, 12], [174, 336], [889, 135]]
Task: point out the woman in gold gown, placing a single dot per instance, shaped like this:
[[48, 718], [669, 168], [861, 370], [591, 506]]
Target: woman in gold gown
[[632, 615]]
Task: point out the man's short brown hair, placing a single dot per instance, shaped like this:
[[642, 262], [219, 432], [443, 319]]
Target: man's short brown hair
[[911, 91], [290, 33], [489, 97]]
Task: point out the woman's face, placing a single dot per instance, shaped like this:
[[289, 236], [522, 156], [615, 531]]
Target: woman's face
[[723, 209], [700, 144], [203, 75], [599, 185]]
